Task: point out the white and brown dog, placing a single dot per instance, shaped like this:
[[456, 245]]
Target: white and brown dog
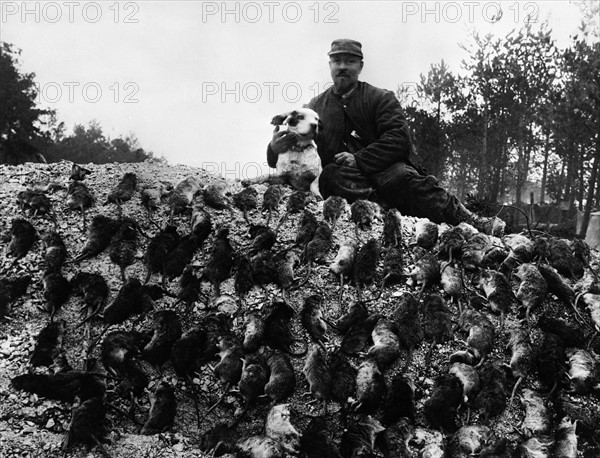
[[300, 166]]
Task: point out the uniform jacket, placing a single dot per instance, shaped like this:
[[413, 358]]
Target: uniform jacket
[[369, 123]]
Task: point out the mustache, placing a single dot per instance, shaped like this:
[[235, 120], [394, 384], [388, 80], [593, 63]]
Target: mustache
[[341, 74]]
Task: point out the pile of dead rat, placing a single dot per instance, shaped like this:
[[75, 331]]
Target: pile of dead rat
[[263, 322]]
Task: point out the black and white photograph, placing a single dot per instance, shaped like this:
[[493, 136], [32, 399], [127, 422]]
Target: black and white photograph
[[300, 229]]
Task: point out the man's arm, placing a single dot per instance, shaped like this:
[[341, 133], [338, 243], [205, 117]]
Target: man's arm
[[393, 142]]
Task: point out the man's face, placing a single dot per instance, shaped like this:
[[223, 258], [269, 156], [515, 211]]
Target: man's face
[[345, 69]]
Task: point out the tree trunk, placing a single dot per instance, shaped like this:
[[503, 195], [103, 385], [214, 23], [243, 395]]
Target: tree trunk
[[545, 170], [483, 161], [561, 180], [581, 170], [591, 188]]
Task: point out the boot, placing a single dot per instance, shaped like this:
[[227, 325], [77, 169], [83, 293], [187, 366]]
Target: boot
[[488, 225]]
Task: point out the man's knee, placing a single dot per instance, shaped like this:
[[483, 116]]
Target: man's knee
[[413, 193]]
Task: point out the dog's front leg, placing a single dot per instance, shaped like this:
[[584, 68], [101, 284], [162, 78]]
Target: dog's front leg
[[269, 179]]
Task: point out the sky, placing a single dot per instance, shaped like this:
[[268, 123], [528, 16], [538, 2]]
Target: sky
[[198, 82]]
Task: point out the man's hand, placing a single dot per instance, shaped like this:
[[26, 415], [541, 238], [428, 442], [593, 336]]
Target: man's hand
[[282, 141], [345, 158]]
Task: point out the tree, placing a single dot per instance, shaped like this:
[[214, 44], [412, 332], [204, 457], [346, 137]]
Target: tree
[[88, 144], [21, 136], [437, 88]]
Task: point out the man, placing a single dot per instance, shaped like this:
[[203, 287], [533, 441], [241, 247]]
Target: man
[[365, 148]]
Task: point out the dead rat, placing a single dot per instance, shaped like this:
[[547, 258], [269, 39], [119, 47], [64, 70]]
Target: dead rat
[[312, 319], [316, 372], [132, 299], [296, 203], [469, 378], [440, 408], [215, 195], [333, 208], [317, 249], [279, 428], [426, 273], [481, 333], [521, 356], [79, 198], [370, 387], [306, 230], [451, 243], [566, 439], [583, 370], [365, 264], [285, 265], [386, 344], [436, 321], [407, 318], [100, 233], [166, 330], [123, 192], [180, 256], [282, 379], [537, 415], [498, 291], [158, 250], [123, 245], [163, 407], [11, 288], [426, 234], [183, 195], [253, 333], [363, 214], [246, 200], [23, 235], [278, 333], [78, 172], [393, 271], [359, 438], [533, 288], [491, 399], [87, 425], [357, 312], [272, 198], [94, 290], [220, 263], [358, 334], [343, 264], [255, 375], [399, 401], [229, 369], [56, 291], [392, 229], [343, 378], [452, 282], [55, 251], [200, 224], [316, 442], [151, 197], [48, 344], [550, 359]]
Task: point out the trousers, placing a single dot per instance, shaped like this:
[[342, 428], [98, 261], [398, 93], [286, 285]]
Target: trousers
[[400, 186]]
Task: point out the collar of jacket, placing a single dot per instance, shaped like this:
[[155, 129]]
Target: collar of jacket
[[348, 94]]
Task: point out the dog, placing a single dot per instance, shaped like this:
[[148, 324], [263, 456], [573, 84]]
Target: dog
[[300, 166]]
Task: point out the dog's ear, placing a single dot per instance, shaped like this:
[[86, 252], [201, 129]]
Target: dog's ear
[[279, 119]]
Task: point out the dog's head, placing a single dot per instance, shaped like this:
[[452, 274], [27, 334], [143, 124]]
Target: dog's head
[[304, 122]]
